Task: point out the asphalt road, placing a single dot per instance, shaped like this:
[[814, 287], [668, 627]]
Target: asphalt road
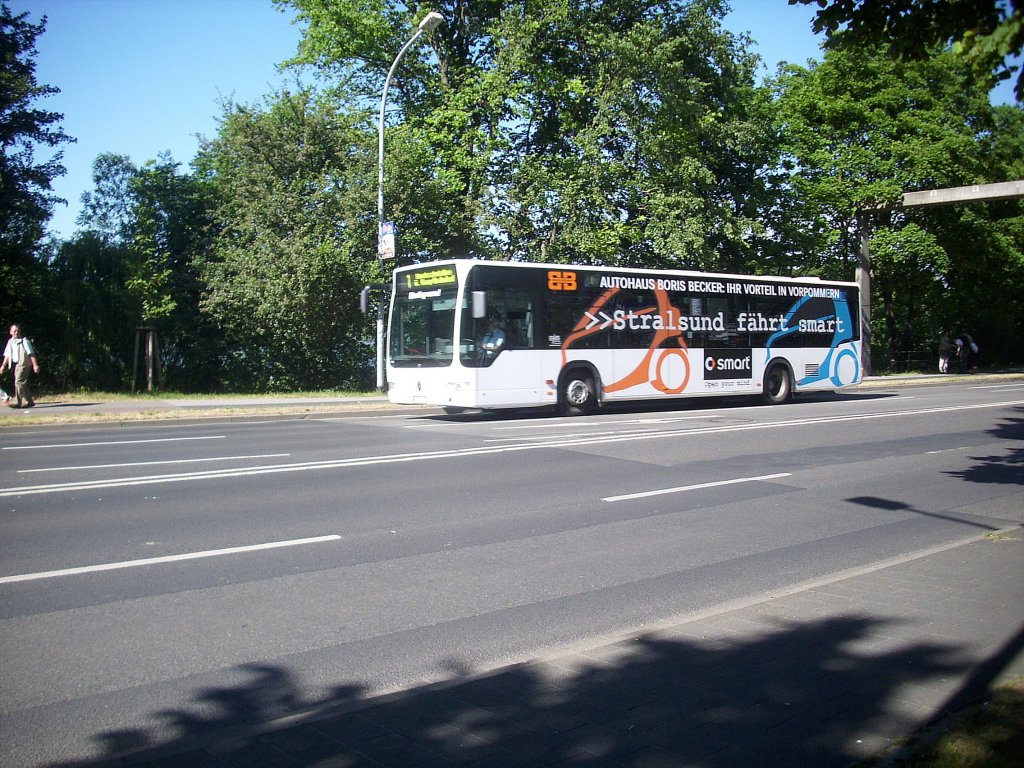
[[165, 578]]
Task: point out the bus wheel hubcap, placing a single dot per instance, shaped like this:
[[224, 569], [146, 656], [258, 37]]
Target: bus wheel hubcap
[[578, 392]]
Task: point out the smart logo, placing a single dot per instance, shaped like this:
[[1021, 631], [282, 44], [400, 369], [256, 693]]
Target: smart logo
[[727, 364]]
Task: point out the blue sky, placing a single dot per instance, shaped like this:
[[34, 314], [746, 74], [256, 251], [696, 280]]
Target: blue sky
[[140, 77]]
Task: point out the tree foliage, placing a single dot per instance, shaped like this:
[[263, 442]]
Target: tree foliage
[[294, 245], [152, 221], [986, 32], [26, 199], [635, 137], [862, 128], [93, 314], [614, 132], [990, 273]]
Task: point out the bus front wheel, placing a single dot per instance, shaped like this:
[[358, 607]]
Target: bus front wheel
[[778, 385], [577, 394]]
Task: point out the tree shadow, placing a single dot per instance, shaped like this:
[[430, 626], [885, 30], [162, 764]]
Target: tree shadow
[[780, 693], [1006, 468]]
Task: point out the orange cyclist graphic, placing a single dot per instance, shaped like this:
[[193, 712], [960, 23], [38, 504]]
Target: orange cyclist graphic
[[595, 320]]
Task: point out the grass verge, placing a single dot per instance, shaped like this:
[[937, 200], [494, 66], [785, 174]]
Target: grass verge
[[989, 734], [99, 396], [102, 407]]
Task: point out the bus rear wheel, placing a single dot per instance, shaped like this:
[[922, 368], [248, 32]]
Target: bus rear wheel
[[578, 395], [778, 385]]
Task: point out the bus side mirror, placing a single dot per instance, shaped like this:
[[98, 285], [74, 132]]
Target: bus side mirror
[[364, 295], [479, 304]]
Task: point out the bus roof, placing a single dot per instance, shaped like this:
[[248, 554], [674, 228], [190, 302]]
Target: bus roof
[[463, 265]]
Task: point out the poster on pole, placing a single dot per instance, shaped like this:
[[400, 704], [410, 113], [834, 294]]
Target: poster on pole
[[386, 242]]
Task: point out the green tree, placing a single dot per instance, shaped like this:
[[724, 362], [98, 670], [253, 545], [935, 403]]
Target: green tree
[[172, 231], [1005, 150], [444, 105], [636, 136], [860, 129], [613, 132], [26, 197], [94, 314], [156, 219], [107, 208], [987, 250], [294, 245], [987, 32]]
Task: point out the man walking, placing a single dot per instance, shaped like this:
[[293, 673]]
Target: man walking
[[18, 355]]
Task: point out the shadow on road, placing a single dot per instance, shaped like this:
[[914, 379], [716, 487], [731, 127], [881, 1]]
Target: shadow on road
[[1004, 468], [795, 693], [892, 505], [671, 405], [1007, 468]]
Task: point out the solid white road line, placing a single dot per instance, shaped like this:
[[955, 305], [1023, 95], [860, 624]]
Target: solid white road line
[[111, 442], [698, 486], [152, 463], [166, 559]]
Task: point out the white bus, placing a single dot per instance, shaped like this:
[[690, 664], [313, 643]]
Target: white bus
[[470, 334]]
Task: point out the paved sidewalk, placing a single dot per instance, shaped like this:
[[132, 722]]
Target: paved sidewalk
[[51, 410], [822, 675]]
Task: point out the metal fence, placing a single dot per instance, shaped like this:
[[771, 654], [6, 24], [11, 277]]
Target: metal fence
[[909, 361]]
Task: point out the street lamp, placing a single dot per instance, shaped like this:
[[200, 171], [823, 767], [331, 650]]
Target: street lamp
[[429, 23], [386, 241]]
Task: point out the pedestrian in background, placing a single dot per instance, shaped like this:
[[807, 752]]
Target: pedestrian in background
[[19, 355], [946, 348], [967, 350]]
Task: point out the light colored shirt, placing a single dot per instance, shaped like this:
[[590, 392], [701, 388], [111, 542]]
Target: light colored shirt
[[493, 340], [18, 350]]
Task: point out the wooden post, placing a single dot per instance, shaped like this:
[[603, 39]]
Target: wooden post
[[156, 359], [151, 358], [150, 341], [135, 359]]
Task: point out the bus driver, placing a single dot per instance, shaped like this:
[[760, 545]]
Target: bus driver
[[494, 339]]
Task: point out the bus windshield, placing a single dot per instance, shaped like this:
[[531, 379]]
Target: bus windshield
[[422, 329]]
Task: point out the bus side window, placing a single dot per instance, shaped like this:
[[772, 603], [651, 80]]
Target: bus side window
[[715, 306], [635, 307], [515, 308], [518, 328], [565, 313]]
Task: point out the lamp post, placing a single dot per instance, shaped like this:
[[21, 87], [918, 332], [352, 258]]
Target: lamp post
[[430, 22], [386, 240]]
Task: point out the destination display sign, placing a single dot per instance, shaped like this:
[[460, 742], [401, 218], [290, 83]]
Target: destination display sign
[[427, 283]]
